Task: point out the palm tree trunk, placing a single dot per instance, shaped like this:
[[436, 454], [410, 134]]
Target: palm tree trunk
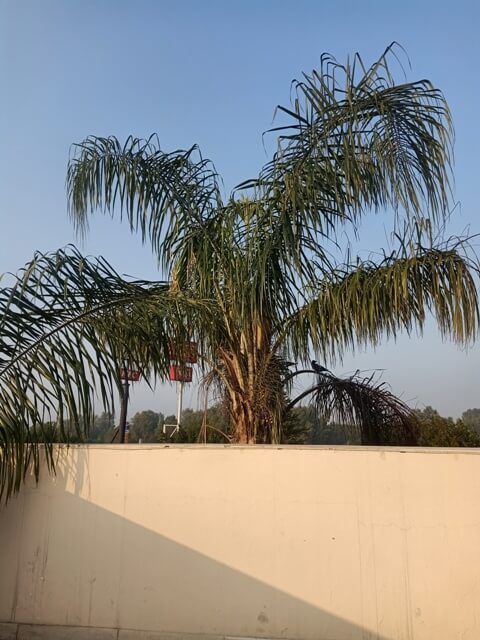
[[252, 394], [253, 375]]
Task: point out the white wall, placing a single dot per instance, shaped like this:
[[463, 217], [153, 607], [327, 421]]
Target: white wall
[[297, 542]]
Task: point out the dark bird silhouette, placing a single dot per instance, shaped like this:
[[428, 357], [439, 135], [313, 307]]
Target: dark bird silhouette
[[318, 367]]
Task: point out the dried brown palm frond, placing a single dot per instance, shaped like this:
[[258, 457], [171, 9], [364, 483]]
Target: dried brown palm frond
[[366, 407]]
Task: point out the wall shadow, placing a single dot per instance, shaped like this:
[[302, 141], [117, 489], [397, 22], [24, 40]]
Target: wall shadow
[[88, 566]]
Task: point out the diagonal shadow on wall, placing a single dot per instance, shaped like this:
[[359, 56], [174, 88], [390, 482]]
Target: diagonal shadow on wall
[[87, 566]]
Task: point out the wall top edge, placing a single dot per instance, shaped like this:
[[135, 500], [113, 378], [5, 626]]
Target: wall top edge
[[274, 447]]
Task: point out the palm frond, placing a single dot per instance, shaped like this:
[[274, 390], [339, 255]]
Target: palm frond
[[363, 303], [356, 140], [367, 409], [161, 194], [67, 324]]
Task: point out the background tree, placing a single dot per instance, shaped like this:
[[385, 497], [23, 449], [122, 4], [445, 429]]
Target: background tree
[[303, 425], [210, 425], [103, 428], [436, 431], [145, 426], [259, 279], [471, 419]]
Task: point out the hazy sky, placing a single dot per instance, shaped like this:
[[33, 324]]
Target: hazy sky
[[211, 72]]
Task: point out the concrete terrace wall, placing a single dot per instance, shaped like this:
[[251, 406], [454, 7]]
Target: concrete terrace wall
[[308, 543]]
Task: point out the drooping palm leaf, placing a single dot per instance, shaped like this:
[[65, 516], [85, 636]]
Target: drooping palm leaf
[[161, 194], [67, 325], [357, 140], [365, 407], [364, 303]]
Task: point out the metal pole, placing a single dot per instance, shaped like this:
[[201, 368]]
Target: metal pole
[[123, 412], [179, 403]]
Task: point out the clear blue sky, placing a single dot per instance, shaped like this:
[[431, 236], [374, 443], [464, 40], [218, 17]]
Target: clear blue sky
[[211, 72]]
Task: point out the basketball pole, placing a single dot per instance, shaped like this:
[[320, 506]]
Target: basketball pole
[[179, 403], [123, 411]]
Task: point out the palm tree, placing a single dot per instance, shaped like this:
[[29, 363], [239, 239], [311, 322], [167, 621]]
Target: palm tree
[[259, 279]]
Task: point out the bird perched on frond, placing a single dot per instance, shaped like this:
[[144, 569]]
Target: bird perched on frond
[[318, 368]]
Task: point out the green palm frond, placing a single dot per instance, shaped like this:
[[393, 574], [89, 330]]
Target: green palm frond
[[357, 140], [161, 194], [67, 324], [366, 302]]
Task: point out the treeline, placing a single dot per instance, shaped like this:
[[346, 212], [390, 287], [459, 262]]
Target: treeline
[[437, 431], [303, 426]]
